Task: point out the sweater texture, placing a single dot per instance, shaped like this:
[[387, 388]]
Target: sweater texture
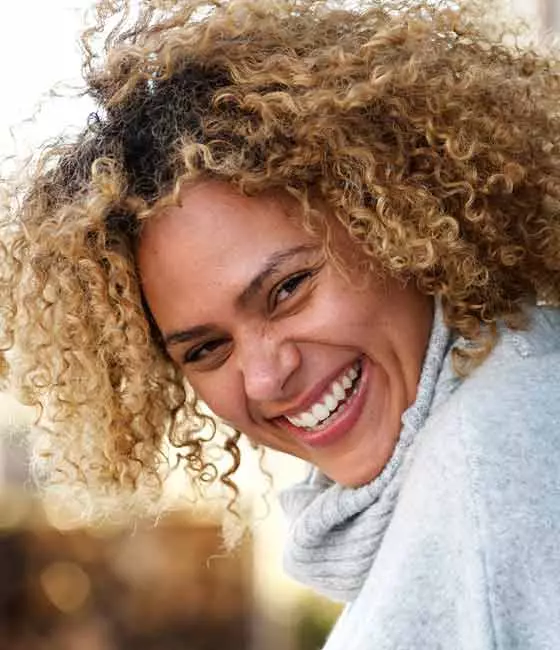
[[456, 544]]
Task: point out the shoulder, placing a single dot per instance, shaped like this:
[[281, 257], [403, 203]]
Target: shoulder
[[510, 429], [541, 337], [519, 383], [504, 424], [508, 409], [497, 440]]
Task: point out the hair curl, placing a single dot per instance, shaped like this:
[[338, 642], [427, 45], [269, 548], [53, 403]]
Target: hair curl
[[435, 144]]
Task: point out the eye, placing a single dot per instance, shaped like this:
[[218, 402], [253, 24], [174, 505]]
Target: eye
[[288, 287], [204, 350]]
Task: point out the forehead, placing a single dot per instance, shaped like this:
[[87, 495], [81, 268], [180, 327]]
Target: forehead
[[215, 223]]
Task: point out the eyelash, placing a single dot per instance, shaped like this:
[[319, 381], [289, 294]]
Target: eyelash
[[193, 355], [298, 278]]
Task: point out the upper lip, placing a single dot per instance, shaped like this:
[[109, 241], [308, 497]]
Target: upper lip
[[314, 394]]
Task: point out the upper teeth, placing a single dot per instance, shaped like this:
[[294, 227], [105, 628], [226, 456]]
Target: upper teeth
[[333, 396]]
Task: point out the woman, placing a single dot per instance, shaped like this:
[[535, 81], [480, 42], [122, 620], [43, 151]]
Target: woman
[[339, 229]]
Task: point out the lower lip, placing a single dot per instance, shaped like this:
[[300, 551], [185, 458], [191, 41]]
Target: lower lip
[[343, 422]]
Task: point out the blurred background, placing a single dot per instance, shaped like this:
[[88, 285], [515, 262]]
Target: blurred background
[[149, 585]]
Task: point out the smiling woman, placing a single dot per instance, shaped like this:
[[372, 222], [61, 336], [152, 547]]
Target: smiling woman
[[324, 224], [286, 348]]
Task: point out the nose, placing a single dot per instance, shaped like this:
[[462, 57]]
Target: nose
[[267, 364]]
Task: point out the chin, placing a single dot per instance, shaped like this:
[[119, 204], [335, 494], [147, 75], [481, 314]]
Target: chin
[[350, 478]]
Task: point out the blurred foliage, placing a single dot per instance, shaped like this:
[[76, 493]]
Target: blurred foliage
[[316, 618]]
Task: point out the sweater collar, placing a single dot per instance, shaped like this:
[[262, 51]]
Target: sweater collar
[[335, 531]]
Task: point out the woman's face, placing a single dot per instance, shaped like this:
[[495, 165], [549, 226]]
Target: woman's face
[[272, 336]]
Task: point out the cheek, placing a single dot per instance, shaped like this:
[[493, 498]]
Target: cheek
[[343, 312], [226, 400], [222, 394]]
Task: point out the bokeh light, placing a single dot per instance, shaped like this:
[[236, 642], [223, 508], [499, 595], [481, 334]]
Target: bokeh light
[[66, 585]]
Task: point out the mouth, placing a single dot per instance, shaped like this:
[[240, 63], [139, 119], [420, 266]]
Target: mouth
[[335, 412]]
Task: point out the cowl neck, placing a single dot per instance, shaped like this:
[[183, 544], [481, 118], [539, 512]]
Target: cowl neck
[[336, 531]]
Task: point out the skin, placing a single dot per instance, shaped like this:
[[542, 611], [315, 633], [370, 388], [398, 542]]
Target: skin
[[261, 321]]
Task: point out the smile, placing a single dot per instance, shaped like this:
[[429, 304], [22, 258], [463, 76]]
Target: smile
[[331, 402], [335, 412]]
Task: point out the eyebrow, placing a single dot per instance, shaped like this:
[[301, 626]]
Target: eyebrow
[[184, 336], [270, 268]]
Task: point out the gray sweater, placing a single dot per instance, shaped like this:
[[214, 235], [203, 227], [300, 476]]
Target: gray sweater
[[456, 544]]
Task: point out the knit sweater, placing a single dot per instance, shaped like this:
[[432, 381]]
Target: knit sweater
[[456, 544]]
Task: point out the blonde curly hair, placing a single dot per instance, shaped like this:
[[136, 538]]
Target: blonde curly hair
[[436, 145]]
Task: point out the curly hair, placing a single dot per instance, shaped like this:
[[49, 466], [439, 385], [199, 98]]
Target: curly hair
[[434, 143]]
